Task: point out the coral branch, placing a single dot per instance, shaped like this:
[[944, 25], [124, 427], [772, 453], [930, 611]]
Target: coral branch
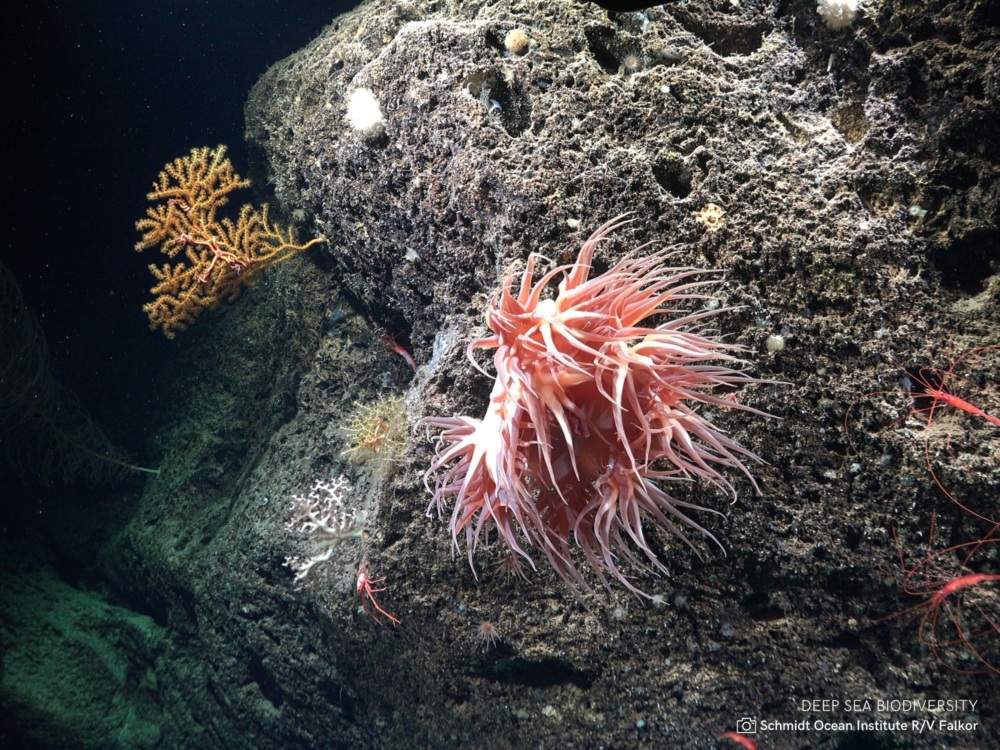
[[218, 257], [323, 520]]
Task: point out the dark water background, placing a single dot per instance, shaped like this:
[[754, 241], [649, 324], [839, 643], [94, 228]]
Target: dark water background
[[97, 97]]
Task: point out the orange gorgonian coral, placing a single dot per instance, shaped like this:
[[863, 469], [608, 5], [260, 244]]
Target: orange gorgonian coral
[[590, 412], [216, 257]]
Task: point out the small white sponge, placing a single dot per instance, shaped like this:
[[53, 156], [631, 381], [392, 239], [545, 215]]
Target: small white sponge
[[838, 14], [363, 113]]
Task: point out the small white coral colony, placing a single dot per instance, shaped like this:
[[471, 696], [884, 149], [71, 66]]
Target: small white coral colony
[[838, 14]]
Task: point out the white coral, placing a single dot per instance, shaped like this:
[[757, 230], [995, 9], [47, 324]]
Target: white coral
[[324, 520]]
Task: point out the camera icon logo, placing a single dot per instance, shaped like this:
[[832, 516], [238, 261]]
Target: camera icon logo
[[746, 725]]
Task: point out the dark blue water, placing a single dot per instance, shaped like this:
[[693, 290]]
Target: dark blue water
[[98, 96]]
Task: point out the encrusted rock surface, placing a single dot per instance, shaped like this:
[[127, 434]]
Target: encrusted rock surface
[[856, 176]]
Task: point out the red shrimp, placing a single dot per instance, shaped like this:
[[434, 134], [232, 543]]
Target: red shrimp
[[960, 608], [930, 384]]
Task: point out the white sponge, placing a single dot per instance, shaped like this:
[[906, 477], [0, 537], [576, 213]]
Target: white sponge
[[838, 14], [363, 113]]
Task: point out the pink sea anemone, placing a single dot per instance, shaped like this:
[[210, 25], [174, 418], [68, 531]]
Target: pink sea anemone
[[589, 413]]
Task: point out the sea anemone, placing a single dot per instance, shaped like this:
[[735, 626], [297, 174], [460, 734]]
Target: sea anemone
[[589, 413], [632, 62]]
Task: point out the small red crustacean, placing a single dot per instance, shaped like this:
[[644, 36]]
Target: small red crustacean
[[366, 589], [399, 349], [960, 611], [932, 392]]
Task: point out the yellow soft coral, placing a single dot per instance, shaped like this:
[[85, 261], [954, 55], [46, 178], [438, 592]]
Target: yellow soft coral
[[377, 431], [220, 256]]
